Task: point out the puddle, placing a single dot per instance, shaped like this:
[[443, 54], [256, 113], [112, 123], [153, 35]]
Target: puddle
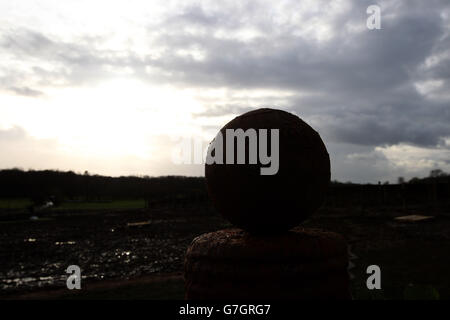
[[65, 243]]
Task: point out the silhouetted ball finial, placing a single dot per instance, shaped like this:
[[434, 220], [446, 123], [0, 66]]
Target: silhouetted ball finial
[[271, 175]]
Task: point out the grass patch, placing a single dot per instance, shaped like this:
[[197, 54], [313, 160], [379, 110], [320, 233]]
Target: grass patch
[[116, 204], [24, 203], [24, 221], [15, 203]]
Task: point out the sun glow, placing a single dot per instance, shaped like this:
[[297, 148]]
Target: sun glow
[[116, 118]]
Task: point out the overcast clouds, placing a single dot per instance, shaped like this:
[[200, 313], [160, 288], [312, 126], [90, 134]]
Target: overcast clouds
[[80, 81]]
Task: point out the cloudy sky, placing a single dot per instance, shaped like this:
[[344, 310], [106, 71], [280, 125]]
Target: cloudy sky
[[112, 86]]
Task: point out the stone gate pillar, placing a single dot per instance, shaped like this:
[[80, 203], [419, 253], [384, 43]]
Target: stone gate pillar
[[269, 255]]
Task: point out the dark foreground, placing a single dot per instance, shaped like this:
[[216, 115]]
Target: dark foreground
[[138, 254]]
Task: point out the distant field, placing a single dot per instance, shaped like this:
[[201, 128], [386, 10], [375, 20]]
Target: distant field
[[117, 204], [19, 203], [23, 203]]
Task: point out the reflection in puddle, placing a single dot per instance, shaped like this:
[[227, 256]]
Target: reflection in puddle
[[123, 253], [31, 281], [64, 242]]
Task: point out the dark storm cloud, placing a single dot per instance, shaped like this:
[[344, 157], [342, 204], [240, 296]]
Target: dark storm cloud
[[194, 15], [362, 63], [27, 43], [388, 119], [362, 85], [53, 62]]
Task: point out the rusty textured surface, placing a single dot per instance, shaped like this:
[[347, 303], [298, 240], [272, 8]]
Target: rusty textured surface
[[299, 264], [272, 203], [297, 244]]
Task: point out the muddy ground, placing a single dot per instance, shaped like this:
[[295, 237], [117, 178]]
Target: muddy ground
[[117, 248]]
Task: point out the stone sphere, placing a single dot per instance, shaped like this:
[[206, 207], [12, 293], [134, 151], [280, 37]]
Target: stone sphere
[[285, 195]]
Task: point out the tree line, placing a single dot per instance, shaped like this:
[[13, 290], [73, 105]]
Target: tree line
[[42, 185], [68, 185]]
